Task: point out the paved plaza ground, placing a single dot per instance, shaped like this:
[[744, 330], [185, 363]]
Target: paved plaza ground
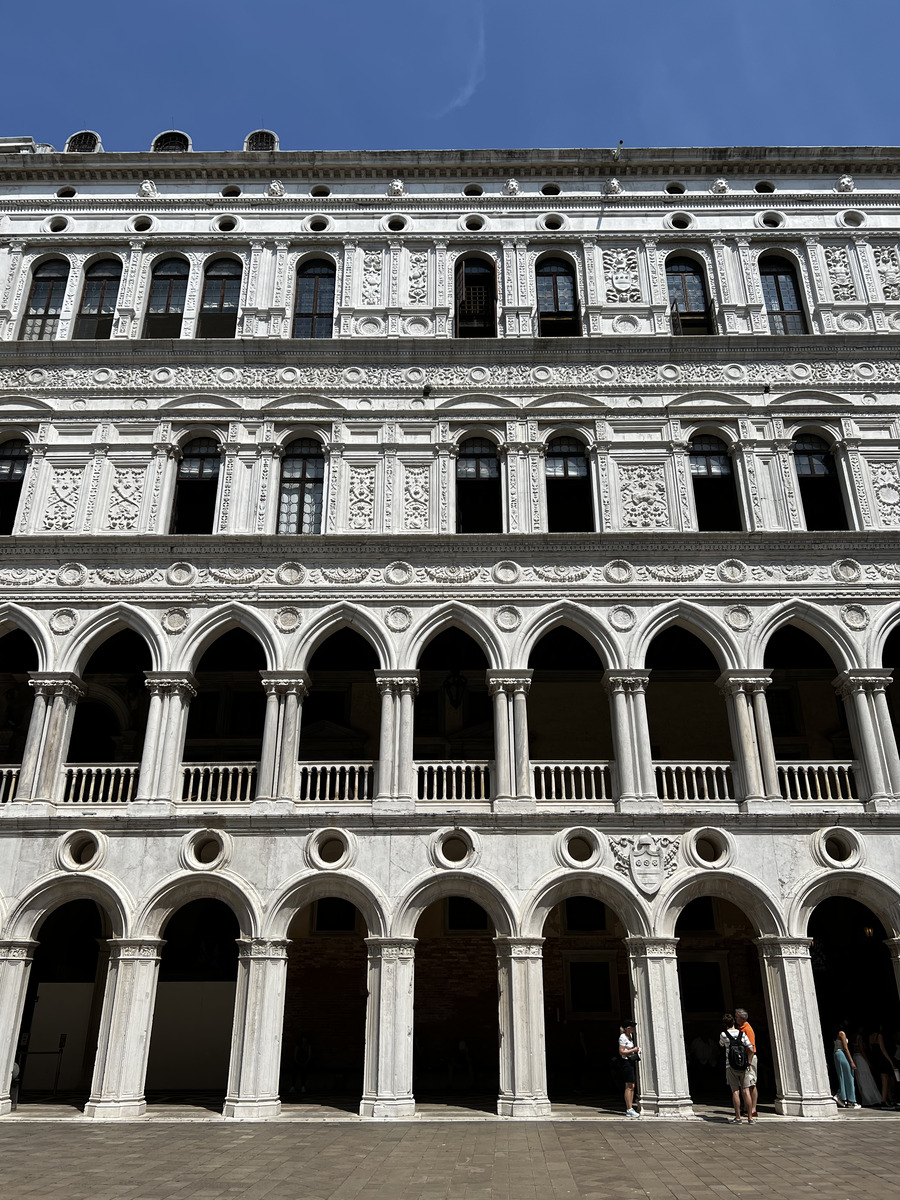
[[462, 1159]]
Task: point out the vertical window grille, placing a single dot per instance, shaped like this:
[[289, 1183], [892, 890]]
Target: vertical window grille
[[689, 303], [221, 297], [302, 486], [556, 299], [48, 286], [13, 464], [476, 292], [314, 305], [98, 300], [168, 292], [781, 292]]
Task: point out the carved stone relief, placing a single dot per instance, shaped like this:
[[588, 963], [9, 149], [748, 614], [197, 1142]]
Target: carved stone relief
[[837, 259], [418, 278], [620, 268], [416, 486], [125, 498], [361, 497], [886, 489], [62, 505], [887, 261], [371, 281], [642, 492]]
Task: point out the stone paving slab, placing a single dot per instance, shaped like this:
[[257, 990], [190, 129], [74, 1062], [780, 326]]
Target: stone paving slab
[[466, 1160]]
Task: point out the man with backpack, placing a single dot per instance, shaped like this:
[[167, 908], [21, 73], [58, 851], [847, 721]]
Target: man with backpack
[[738, 1049], [742, 1019]]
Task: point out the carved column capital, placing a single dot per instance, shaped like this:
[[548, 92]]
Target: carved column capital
[[771, 946], [286, 683], [519, 947], [629, 681], [62, 683], [171, 683], [17, 949], [395, 683], [733, 682], [511, 681], [263, 948], [651, 947], [143, 949], [863, 679], [388, 948]]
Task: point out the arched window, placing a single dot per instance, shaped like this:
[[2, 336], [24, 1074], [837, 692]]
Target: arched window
[[197, 487], [781, 292], [13, 463], [556, 299], [479, 504], [302, 483], [690, 306], [48, 286], [314, 305], [171, 142], [476, 298], [715, 497], [820, 487], [86, 142], [168, 290], [570, 507], [221, 296], [98, 300], [261, 140]]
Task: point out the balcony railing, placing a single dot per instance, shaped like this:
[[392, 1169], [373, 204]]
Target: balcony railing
[[219, 783], [453, 780], [318, 781], [694, 781], [571, 781], [115, 783], [818, 781], [9, 778]]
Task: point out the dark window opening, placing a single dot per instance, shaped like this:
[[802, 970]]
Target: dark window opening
[[13, 464], [98, 300], [820, 487], [168, 291], [556, 299], [171, 142], [221, 296], [781, 293], [476, 299], [692, 312], [302, 484], [262, 140], [83, 143], [314, 304], [715, 495], [479, 502], [570, 507], [48, 286], [197, 487]]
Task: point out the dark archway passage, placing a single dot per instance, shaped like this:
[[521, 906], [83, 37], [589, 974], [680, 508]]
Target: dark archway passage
[[225, 719], [109, 722], [18, 656], [61, 1019], [807, 718], [192, 1022], [341, 714], [456, 1045], [323, 1044], [587, 993]]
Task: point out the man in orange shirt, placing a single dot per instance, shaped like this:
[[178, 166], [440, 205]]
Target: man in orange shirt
[[741, 1019]]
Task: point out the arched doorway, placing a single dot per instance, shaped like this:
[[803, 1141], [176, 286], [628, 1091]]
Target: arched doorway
[[223, 742], [587, 994], [18, 656], [856, 989], [190, 1042], [689, 735], [453, 735], [890, 659], [568, 719], [323, 1043], [61, 1018], [456, 1045], [719, 971]]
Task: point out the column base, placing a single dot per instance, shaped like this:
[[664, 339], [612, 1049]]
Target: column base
[[523, 1106], [880, 804], [394, 804], [513, 804], [639, 804], [145, 807], [29, 808], [815, 1107], [678, 1108], [5, 1106], [251, 1110], [388, 1108], [276, 806], [115, 1110], [762, 805]]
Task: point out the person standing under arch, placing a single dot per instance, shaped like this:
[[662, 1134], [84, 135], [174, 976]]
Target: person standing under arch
[[742, 1019], [737, 1049], [629, 1057]]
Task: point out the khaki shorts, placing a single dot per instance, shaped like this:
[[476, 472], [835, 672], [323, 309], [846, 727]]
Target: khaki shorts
[[750, 1073]]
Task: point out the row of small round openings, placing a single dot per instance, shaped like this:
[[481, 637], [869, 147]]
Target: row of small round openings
[[173, 141], [231, 189], [675, 189], [473, 189], [474, 222], [226, 224], [397, 224], [58, 224], [84, 142], [318, 224], [65, 193], [551, 189], [262, 141], [764, 186], [320, 189]]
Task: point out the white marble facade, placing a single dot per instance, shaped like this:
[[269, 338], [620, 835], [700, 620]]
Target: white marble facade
[[390, 396]]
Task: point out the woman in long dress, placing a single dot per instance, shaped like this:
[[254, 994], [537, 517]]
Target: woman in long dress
[[867, 1090]]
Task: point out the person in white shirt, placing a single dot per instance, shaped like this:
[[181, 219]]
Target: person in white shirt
[[737, 1079], [629, 1057]]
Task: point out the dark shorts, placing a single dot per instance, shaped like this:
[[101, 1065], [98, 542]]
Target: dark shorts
[[629, 1071]]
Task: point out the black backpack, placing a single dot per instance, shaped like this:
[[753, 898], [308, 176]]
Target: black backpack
[[737, 1052]]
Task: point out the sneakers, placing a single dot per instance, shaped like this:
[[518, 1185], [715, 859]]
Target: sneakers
[[735, 1121], [854, 1105], [839, 1102], [632, 1112]]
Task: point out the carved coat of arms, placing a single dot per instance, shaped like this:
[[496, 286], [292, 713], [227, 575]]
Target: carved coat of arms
[[649, 860]]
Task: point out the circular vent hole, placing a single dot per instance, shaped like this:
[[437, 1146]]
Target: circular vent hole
[[681, 222], [676, 189], [84, 851], [854, 219], [579, 848], [474, 223], [395, 224], [332, 850], [66, 193], [550, 189], [141, 224], [231, 190], [207, 850], [227, 224], [553, 223], [320, 189], [772, 220], [837, 849], [454, 849], [707, 849], [473, 189], [318, 224], [58, 224], [765, 186]]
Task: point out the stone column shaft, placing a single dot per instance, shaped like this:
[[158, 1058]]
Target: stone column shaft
[[396, 787], [15, 968], [660, 1032], [511, 785], [48, 734], [635, 774], [285, 693], [874, 743], [801, 1074], [170, 694], [523, 1057], [255, 1063], [126, 1022], [387, 1086], [751, 733]]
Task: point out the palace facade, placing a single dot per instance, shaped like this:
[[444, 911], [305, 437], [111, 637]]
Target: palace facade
[[448, 604]]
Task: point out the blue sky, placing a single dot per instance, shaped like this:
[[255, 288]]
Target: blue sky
[[417, 74]]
